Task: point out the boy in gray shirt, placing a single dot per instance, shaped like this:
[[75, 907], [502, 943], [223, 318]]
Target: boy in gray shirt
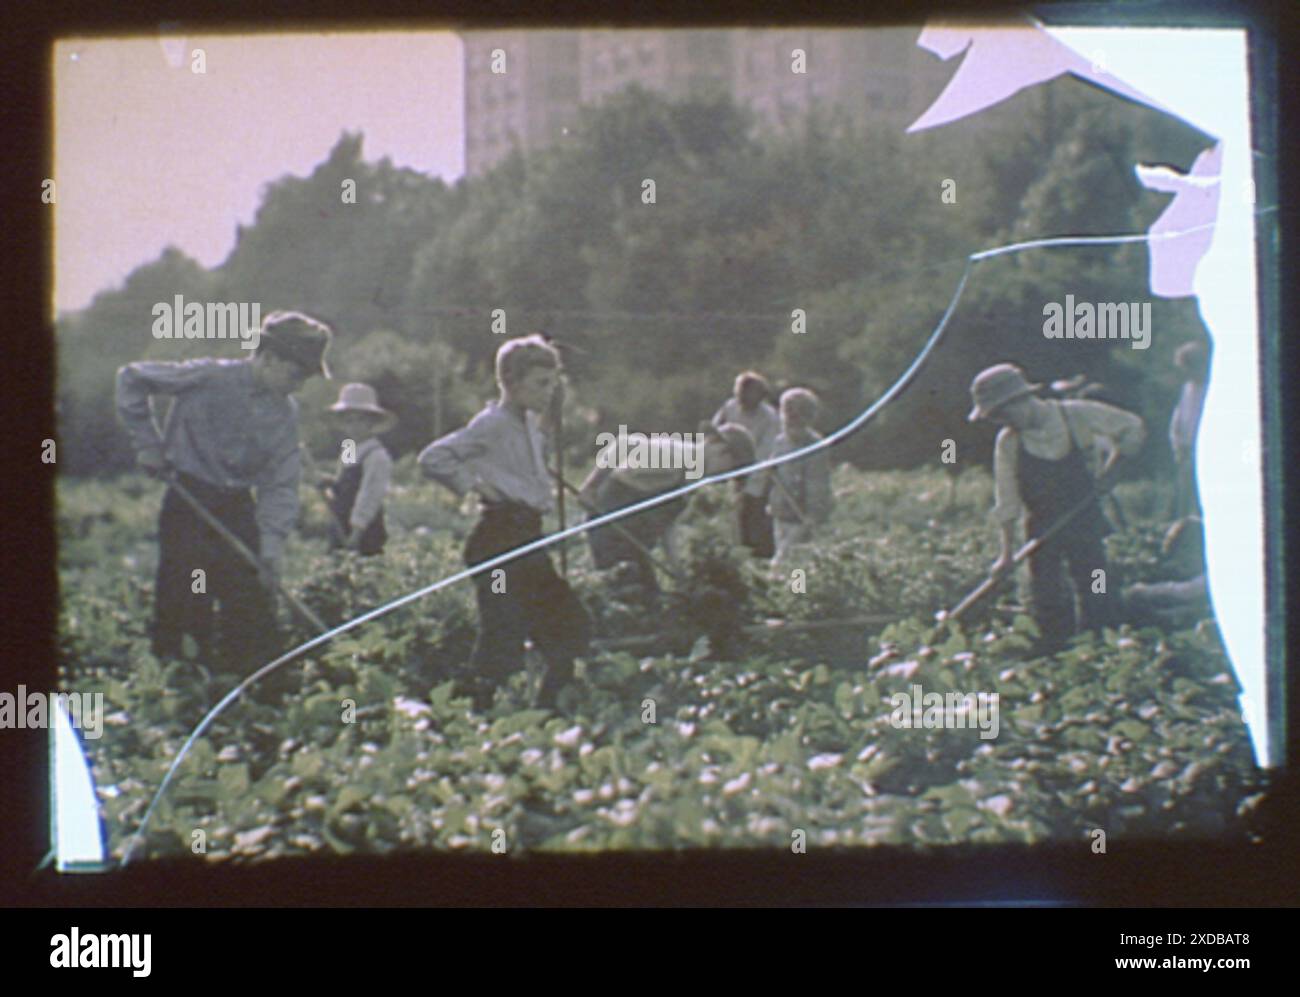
[[801, 490], [500, 456]]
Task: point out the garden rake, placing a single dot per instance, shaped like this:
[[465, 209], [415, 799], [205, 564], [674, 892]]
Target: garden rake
[[1030, 547]]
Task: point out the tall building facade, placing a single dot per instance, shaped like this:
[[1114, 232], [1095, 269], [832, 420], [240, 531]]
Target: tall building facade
[[521, 88], [524, 88]]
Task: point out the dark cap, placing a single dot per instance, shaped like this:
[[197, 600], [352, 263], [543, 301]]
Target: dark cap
[[297, 337]]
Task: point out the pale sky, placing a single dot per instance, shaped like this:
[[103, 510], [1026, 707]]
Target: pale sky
[[149, 153]]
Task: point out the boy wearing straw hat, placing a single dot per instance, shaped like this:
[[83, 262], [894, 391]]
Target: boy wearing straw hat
[[1041, 470], [232, 430], [499, 456], [356, 494]]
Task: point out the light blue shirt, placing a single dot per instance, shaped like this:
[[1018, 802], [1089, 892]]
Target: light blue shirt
[[802, 490], [223, 429], [496, 448]]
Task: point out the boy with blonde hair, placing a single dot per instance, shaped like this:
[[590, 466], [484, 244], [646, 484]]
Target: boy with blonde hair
[[500, 456], [801, 492]]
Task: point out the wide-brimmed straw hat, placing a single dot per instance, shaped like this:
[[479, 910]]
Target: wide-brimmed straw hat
[[995, 386], [357, 397]]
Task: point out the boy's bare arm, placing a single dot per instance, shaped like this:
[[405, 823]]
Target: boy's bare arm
[[1006, 541], [820, 499], [1006, 491], [672, 544]]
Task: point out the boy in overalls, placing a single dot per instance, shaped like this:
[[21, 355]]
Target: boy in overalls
[[356, 494], [1041, 471]]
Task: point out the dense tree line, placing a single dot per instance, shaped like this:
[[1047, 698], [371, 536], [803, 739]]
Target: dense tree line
[[661, 303]]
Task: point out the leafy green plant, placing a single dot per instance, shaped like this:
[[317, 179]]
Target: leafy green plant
[[717, 735]]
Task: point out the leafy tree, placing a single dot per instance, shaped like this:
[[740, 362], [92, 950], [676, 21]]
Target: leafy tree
[[659, 304]]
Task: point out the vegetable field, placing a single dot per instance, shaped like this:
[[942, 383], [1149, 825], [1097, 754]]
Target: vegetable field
[[700, 721]]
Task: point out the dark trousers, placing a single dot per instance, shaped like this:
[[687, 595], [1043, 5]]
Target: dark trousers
[[528, 600], [1070, 556], [233, 619], [756, 525]]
